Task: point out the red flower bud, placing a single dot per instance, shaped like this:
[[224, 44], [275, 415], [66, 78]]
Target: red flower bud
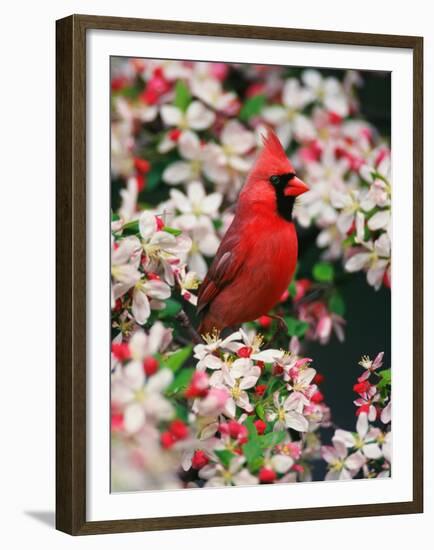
[[363, 409], [149, 96], [265, 321], [140, 181], [386, 279], [141, 165], [234, 428], [199, 460], [178, 429], [160, 223], [121, 351], [260, 390], [117, 422], [362, 387], [317, 397], [244, 352], [150, 366], [174, 134], [198, 386], [267, 475], [118, 83], [167, 440], [260, 426], [334, 118], [318, 378]]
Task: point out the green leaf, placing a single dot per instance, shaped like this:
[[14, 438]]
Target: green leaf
[[181, 381], [175, 360], [271, 439], [181, 412], [337, 304], [386, 378], [256, 464], [272, 386], [349, 241], [182, 96], [172, 231], [252, 107], [115, 217], [251, 428], [131, 92], [252, 451], [131, 228], [323, 272], [292, 289], [154, 176], [296, 327], [225, 457], [172, 308], [260, 411], [218, 224], [377, 175]]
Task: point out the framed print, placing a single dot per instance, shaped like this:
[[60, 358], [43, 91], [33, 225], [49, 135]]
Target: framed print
[[230, 325]]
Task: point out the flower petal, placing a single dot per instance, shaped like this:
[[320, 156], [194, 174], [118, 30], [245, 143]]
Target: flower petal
[[134, 418], [355, 461], [362, 425], [189, 145], [177, 172], [372, 451], [358, 261], [198, 116], [171, 115], [141, 308], [296, 421], [157, 289], [181, 201], [281, 463], [379, 220]]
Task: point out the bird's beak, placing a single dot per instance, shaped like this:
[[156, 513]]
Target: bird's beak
[[295, 187]]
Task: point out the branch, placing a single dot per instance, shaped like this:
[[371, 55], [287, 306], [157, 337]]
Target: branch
[[185, 322]]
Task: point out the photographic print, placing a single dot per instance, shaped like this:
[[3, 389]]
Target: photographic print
[[229, 326], [250, 274]]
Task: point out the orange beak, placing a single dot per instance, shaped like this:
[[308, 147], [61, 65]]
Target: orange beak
[[295, 187]]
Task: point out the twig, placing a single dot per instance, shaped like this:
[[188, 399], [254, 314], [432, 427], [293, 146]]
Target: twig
[[281, 327], [181, 340], [185, 322]]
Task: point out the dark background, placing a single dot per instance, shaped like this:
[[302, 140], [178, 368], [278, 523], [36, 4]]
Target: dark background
[[368, 311]]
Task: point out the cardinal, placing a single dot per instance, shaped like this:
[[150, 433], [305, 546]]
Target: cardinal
[[256, 259]]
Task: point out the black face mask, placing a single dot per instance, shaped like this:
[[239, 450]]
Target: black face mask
[[285, 204]]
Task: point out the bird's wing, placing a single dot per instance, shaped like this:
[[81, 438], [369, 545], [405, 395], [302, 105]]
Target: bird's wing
[[224, 267]]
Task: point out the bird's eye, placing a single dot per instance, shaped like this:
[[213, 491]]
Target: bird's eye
[[274, 180]]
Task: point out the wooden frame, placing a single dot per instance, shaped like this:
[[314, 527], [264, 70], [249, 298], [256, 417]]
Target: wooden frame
[[71, 273]]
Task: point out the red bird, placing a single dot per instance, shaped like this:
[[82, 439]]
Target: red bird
[[257, 257]]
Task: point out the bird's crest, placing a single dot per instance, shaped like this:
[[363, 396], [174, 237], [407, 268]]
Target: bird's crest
[[272, 159]]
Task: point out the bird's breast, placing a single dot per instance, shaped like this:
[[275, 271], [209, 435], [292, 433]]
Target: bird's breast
[[266, 272], [274, 257]]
